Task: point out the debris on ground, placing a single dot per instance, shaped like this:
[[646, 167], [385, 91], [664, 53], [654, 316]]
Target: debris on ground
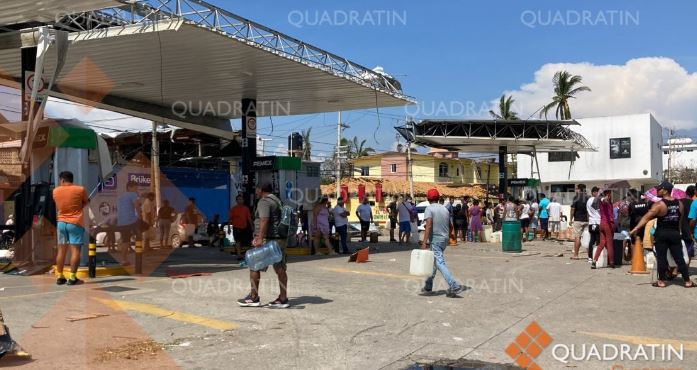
[[88, 316], [130, 351]]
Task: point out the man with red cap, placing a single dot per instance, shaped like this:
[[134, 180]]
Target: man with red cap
[[436, 233]]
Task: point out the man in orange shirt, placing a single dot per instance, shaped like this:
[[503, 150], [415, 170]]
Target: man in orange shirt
[[240, 217], [70, 201]]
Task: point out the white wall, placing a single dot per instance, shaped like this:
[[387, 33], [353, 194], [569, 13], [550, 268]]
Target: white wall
[[644, 166], [683, 156]]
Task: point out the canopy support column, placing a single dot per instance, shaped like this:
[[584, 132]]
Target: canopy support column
[[249, 148], [503, 173]]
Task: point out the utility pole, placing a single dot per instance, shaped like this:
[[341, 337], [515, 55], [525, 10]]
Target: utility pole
[[409, 171], [670, 154], [338, 154]]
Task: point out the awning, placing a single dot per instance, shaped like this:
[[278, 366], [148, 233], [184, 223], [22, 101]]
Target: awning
[[189, 64], [486, 136]]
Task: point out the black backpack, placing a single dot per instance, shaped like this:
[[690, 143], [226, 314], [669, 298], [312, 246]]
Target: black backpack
[[278, 228]]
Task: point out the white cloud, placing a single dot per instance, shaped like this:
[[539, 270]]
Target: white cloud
[[645, 85]]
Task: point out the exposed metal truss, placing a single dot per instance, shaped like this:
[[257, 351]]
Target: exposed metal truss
[[202, 14], [542, 135]]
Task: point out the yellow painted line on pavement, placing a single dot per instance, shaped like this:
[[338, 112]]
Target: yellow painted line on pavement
[[88, 286], [373, 273], [687, 345], [174, 315]]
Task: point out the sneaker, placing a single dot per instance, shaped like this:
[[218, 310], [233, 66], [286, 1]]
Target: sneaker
[[590, 260], [593, 265], [249, 302], [452, 293], [75, 281], [278, 303], [61, 280]]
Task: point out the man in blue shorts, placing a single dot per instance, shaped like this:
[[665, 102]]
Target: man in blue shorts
[[70, 201]]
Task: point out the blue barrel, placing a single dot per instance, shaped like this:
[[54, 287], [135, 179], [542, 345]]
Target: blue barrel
[[511, 237]]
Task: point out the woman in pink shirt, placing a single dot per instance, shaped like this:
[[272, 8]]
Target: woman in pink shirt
[[606, 227]]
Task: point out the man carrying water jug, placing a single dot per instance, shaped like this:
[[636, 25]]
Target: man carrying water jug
[[267, 206], [436, 233]]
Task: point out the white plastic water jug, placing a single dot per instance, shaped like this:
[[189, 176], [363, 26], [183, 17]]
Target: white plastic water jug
[[585, 238], [602, 259], [421, 262], [488, 230]]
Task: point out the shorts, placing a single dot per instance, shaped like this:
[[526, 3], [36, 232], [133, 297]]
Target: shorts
[[127, 232], [365, 225], [404, 227], [544, 224], [283, 264], [393, 223], [242, 236], [578, 228], [554, 226], [70, 234], [535, 223], [524, 222]]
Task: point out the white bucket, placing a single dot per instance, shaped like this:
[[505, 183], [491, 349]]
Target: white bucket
[[488, 230], [421, 262], [602, 259]]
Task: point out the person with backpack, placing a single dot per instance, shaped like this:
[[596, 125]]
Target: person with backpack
[[267, 226]]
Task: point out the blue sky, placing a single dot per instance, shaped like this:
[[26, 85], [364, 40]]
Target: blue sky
[[637, 56], [473, 51]]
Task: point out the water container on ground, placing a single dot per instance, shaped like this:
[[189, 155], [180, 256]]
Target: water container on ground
[[511, 237], [602, 259], [421, 262], [488, 230], [268, 254]]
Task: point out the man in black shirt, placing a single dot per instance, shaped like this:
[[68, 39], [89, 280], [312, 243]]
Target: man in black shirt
[[638, 207], [579, 217], [392, 214]]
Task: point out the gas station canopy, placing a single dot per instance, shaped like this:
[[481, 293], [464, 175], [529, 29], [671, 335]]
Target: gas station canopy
[[487, 136], [188, 63]]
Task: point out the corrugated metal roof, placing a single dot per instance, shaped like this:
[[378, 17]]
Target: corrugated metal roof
[[22, 11]]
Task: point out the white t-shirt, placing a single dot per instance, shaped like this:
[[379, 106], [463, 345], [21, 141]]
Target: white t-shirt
[[593, 214], [404, 212], [524, 214], [363, 212], [339, 219], [535, 207], [554, 212]]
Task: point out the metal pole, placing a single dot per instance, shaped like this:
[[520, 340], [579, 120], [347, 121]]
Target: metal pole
[[503, 171], [409, 171], [338, 157], [155, 164], [249, 148]]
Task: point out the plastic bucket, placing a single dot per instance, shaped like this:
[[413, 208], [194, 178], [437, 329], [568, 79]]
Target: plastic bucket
[[511, 237]]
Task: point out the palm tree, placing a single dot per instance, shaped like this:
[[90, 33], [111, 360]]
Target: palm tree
[[565, 87], [505, 111], [307, 146], [359, 149]]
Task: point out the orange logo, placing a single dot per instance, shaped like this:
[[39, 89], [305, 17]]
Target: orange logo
[[528, 345]]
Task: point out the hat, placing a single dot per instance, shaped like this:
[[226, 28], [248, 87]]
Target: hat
[[433, 194], [665, 185]]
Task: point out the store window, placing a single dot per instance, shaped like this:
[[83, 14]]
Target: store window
[[443, 170], [393, 168], [365, 171], [620, 148]]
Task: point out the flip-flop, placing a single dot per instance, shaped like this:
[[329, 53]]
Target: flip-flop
[[692, 285], [576, 258], [656, 285]]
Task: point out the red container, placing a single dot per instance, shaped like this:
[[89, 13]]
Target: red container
[[361, 192], [344, 193], [378, 193]]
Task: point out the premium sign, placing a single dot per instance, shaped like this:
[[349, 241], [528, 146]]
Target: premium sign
[[263, 163]]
